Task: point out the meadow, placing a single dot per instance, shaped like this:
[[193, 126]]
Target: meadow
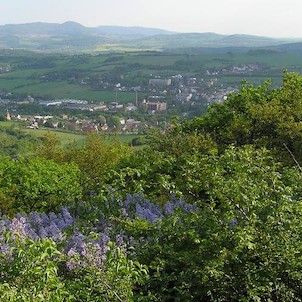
[[68, 138]]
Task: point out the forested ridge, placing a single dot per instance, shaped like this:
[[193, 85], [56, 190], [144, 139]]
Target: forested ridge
[[209, 210]]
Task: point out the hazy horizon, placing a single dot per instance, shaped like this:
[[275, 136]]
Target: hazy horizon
[[262, 18]]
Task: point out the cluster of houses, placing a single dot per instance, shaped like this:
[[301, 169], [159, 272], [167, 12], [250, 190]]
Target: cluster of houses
[[5, 69], [152, 106], [237, 69], [161, 94], [76, 124], [189, 90]]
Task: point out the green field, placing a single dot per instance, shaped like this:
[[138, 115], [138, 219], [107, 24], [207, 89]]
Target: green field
[[66, 138], [8, 124], [52, 90]]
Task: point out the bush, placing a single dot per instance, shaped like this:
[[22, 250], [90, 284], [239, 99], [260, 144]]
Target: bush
[[37, 185]]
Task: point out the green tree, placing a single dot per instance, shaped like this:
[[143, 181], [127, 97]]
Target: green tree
[[37, 184], [258, 115], [31, 273], [37, 271], [51, 148], [96, 158], [114, 122], [166, 167], [240, 244], [101, 120]]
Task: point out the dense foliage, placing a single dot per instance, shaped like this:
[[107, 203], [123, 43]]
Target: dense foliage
[[208, 211], [14, 142], [260, 116], [95, 158], [31, 184], [241, 243]]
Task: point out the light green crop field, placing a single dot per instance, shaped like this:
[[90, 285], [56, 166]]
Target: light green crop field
[[67, 138], [153, 59], [75, 139], [66, 90], [8, 124], [221, 60], [123, 138], [13, 84]]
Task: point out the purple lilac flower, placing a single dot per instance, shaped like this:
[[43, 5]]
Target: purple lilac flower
[[31, 233], [85, 251], [6, 221], [69, 220], [73, 262], [81, 249], [42, 232], [35, 218], [3, 226], [55, 232], [94, 254], [120, 240], [35, 225], [61, 224], [103, 239], [148, 212], [170, 207], [18, 227], [52, 216], [137, 205], [6, 251], [45, 219]]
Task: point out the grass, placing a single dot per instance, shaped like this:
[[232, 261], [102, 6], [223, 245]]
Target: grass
[[15, 84], [119, 48], [66, 138], [153, 59], [8, 124], [124, 138], [63, 89]]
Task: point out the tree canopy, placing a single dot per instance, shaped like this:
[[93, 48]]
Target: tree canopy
[[262, 116]]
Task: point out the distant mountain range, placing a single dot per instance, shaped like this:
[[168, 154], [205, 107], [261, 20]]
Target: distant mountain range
[[72, 36]]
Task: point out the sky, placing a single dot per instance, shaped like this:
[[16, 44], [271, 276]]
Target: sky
[[272, 18]]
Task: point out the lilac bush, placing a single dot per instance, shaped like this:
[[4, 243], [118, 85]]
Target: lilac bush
[[36, 225], [54, 225], [86, 242], [83, 250], [171, 206], [138, 206]]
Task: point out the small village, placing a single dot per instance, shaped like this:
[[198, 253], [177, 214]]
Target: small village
[[162, 98]]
